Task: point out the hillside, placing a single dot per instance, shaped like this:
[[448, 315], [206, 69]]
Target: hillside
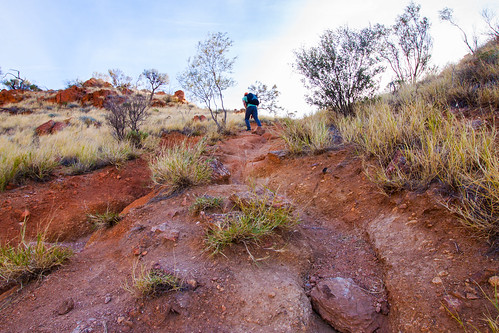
[[403, 258]]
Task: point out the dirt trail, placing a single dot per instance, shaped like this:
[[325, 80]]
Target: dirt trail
[[391, 247]]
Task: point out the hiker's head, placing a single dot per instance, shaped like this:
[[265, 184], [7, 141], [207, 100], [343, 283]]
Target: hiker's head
[[245, 94]]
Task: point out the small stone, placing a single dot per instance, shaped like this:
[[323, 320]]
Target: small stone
[[129, 323], [193, 284], [494, 281], [437, 280], [66, 307], [136, 251], [171, 235], [471, 296], [120, 320], [452, 303], [25, 214], [144, 253], [443, 273], [272, 295], [402, 206], [184, 202], [108, 299]]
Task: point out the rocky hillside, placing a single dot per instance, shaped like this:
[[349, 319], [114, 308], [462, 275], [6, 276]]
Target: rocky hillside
[[358, 261]]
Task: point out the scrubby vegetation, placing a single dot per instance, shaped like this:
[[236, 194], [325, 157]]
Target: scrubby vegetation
[[150, 282], [256, 218], [416, 137], [104, 220], [204, 203], [28, 260], [181, 166]]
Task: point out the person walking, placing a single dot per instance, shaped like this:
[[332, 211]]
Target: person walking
[[251, 102]]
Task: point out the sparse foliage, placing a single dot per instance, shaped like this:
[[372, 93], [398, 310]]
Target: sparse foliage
[[155, 80], [119, 79], [490, 19], [207, 75], [342, 69], [446, 14], [267, 97], [407, 45], [129, 111], [151, 282]]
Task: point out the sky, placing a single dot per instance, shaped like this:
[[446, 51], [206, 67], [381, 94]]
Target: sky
[[53, 41]]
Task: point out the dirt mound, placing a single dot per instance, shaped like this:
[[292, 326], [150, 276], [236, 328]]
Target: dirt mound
[[404, 251]]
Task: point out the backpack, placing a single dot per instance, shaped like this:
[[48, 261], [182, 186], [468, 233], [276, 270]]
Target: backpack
[[252, 99]]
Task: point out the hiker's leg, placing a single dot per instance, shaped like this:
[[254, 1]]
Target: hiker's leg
[[255, 116], [246, 119]]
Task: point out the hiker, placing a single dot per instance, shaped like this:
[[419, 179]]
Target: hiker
[[251, 102]]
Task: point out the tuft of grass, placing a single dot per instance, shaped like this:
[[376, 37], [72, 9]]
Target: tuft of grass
[[104, 220], [29, 260], [204, 203], [308, 135], [256, 219], [151, 282], [181, 166]]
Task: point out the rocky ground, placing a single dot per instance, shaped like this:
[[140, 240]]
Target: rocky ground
[[360, 261]]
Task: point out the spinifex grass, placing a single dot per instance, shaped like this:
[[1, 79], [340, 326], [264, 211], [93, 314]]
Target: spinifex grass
[[308, 135], [151, 282], [104, 220], [181, 166], [205, 202], [29, 260], [256, 219]]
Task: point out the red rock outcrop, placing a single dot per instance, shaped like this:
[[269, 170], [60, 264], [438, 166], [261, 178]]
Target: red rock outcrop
[[71, 94], [96, 98], [96, 83], [10, 96], [180, 95], [157, 103]]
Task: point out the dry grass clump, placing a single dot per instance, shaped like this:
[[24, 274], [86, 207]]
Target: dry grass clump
[[181, 166], [308, 135], [204, 203], [151, 282], [29, 260], [104, 220], [256, 219]]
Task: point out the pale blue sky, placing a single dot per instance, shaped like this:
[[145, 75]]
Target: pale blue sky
[[52, 41]]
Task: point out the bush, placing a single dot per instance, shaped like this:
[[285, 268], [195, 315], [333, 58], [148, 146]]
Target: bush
[[342, 69], [104, 220]]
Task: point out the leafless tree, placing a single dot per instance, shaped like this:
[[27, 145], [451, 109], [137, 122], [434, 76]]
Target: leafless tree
[[490, 19]]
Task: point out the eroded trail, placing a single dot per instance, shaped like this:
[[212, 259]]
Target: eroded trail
[[390, 248]]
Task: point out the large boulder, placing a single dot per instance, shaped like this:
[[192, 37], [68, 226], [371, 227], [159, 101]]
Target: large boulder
[[51, 127], [346, 307]]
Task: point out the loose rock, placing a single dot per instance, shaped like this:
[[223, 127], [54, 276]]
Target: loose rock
[[65, 307]]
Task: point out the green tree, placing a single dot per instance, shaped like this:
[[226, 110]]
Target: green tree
[[407, 45], [267, 97], [207, 75], [342, 69]]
